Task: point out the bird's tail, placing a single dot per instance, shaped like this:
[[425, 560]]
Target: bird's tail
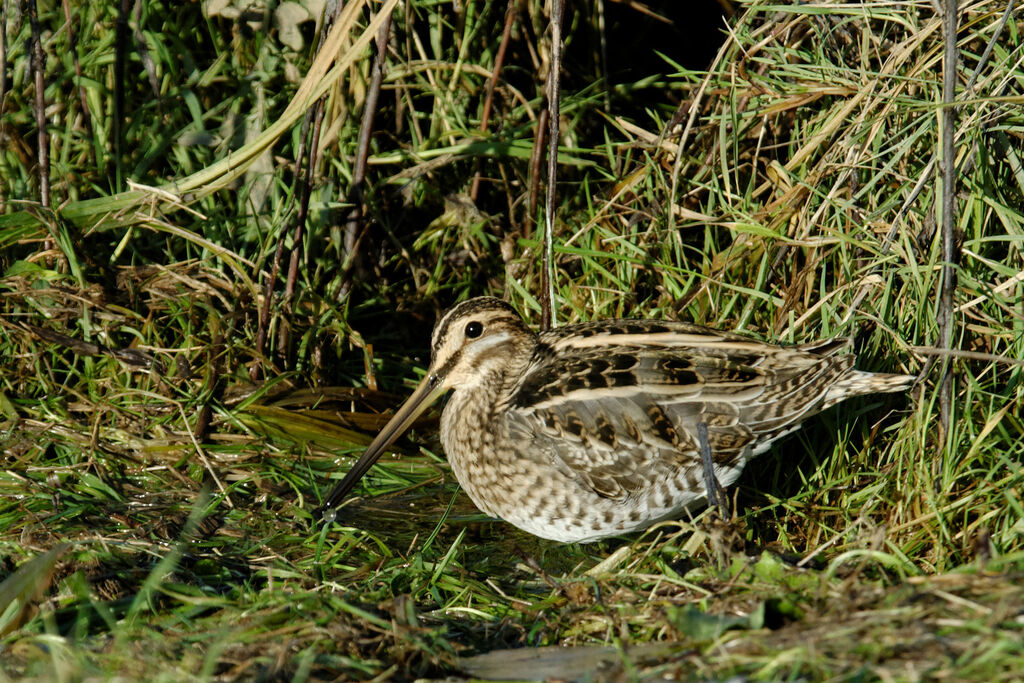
[[858, 382]]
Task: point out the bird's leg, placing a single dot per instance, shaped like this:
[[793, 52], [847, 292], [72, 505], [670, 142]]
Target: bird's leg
[[716, 497]]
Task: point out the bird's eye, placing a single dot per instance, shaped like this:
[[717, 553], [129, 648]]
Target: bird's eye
[[474, 330]]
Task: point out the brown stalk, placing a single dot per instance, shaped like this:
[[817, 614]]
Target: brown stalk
[[275, 265], [499, 62], [3, 54], [949, 245], [120, 50], [536, 157], [312, 159], [314, 118], [365, 133], [547, 295], [307, 191], [83, 100], [40, 86]]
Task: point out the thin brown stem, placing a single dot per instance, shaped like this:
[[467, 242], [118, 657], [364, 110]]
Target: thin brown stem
[[547, 274], [949, 246], [38, 64], [499, 62], [536, 157], [3, 53], [120, 57], [275, 264], [307, 190], [82, 97], [365, 134], [3, 71]]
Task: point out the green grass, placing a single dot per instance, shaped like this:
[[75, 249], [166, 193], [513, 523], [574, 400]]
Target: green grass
[[159, 465]]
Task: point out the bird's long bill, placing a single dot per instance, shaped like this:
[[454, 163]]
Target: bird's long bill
[[426, 393]]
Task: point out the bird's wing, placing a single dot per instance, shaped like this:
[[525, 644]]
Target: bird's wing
[[622, 416]]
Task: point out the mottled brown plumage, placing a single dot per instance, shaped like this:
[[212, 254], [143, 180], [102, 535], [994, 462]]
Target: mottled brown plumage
[[590, 430]]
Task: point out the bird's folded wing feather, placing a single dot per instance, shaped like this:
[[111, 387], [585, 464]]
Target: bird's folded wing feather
[[623, 415]]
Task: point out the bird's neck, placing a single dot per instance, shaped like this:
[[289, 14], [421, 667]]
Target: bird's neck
[[474, 409]]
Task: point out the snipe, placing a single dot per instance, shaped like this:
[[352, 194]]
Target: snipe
[[588, 431]]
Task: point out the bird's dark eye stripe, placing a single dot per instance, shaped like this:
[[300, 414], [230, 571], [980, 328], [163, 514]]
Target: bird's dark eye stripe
[[474, 329]]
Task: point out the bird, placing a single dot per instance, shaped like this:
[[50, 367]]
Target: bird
[[596, 429]]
